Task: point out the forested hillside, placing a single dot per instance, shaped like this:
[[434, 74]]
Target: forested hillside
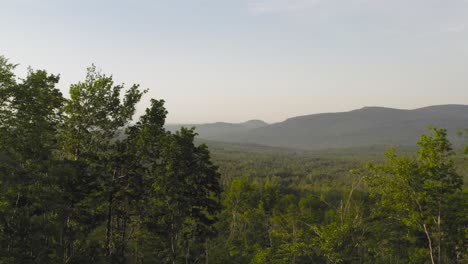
[[82, 182], [369, 126], [220, 130]]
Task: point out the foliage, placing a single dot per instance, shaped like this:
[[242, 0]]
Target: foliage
[[82, 182], [416, 191]]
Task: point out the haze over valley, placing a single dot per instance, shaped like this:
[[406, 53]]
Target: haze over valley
[[365, 127], [234, 132]]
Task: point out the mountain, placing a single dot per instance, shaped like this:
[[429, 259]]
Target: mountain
[[368, 126], [219, 130]]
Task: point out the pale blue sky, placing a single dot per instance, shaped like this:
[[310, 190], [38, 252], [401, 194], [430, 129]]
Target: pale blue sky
[[235, 60]]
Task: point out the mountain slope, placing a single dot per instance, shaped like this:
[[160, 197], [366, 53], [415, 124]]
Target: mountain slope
[[358, 128], [219, 130]]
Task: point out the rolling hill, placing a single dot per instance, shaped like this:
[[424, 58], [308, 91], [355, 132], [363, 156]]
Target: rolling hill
[[368, 126], [220, 129]]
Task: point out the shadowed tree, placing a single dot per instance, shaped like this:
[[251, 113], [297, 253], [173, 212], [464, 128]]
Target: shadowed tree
[[95, 114], [29, 114]]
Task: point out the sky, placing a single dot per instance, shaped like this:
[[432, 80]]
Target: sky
[[236, 60]]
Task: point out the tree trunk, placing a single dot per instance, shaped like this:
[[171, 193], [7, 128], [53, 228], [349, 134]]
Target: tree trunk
[[68, 243], [110, 202], [206, 252], [109, 223], [173, 240], [439, 236], [431, 251]]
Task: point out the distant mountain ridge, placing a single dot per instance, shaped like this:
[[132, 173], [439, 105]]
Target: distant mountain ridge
[[220, 129], [363, 127]]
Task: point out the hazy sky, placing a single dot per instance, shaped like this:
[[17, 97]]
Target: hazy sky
[[235, 60]]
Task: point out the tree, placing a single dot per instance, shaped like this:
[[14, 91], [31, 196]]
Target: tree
[[30, 114], [173, 189], [188, 191], [80, 184], [95, 114], [415, 191], [7, 84]]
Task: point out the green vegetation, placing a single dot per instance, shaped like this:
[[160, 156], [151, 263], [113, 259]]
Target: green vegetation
[[81, 183], [289, 206], [361, 128], [71, 192]]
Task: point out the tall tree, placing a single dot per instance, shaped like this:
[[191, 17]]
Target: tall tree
[[30, 114], [415, 191], [188, 192], [80, 184], [95, 114]]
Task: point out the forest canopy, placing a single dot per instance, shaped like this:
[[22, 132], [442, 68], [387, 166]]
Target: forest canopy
[[80, 183], [85, 180]]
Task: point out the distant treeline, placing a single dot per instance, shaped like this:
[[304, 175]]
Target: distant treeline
[[81, 183], [287, 207]]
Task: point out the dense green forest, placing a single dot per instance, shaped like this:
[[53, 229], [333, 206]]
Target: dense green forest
[[83, 180], [364, 127]]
